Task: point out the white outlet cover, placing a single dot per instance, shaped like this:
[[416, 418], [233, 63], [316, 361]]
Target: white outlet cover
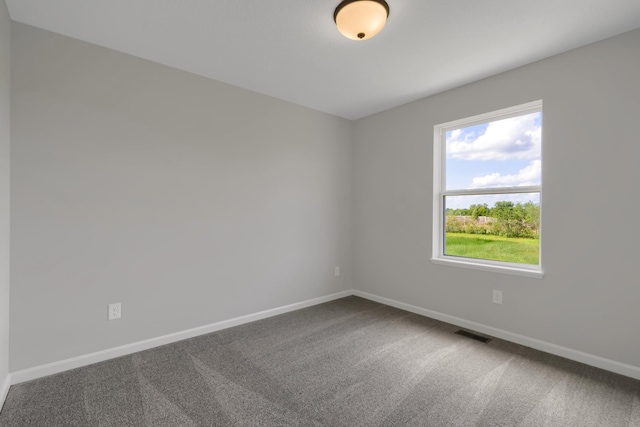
[[497, 296], [115, 311]]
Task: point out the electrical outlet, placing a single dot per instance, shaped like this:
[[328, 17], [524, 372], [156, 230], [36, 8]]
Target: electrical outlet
[[115, 311], [497, 296], [337, 270]]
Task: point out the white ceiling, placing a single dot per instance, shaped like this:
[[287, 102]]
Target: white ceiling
[[291, 49]]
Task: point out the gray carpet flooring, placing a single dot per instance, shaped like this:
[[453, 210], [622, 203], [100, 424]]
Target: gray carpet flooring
[[350, 362]]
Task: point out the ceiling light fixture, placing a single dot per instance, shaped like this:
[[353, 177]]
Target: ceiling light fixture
[[361, 19]]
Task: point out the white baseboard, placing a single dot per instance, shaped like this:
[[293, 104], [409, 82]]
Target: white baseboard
[[5, 390], [87, 359], [100, 356], [568, 353]]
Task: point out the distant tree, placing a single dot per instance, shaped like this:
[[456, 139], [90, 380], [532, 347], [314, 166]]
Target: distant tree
[[509, 219], [479, 210], [502, 210], [532, 214]]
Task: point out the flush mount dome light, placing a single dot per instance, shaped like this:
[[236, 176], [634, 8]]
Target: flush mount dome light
[[361, 19]]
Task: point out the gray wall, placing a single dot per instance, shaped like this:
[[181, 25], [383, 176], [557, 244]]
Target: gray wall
[[188, 200], [588, 299], [191, 201], [5, 89]]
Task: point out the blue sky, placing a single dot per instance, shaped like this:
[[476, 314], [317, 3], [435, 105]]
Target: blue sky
[[503, 153]]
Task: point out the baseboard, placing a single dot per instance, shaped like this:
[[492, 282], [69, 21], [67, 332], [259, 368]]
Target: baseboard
[[568, 353], [100, 356], [5, 390]]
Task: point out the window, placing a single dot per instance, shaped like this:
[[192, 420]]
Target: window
[[487, 187]]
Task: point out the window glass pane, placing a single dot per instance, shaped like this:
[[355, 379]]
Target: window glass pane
[[497, 227], [502, 153]]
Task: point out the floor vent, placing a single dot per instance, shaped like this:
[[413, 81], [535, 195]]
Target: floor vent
[[473, 336]]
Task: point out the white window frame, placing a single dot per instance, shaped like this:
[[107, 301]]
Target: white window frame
[[440, 192]]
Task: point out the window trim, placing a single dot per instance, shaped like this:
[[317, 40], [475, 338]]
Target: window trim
[[439, 170]]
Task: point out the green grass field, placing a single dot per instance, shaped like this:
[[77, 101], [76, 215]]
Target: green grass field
[[523, 251]]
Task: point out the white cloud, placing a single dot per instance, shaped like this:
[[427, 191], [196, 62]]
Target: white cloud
[[517, 138], [530, 175]]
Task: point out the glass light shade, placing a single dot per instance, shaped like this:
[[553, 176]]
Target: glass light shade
[[361, 19]]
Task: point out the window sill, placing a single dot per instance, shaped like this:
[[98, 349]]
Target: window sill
[[505, 269]]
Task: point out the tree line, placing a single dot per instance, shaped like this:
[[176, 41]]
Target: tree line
[[505, 219]]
